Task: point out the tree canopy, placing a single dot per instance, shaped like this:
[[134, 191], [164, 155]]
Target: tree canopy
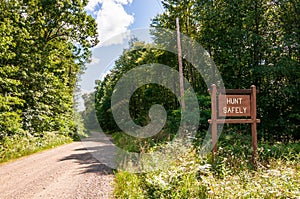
[[43, 48], [251, 42]]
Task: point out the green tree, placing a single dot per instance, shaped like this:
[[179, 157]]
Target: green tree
[[89, 113], [251, 42], [143, 98], [45, 46]]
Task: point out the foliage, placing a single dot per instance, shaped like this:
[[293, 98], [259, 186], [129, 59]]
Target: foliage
[[43, 48], [145, 95], [230, 175], [89, 114], [16, 146], [128, 186], [250, 42]]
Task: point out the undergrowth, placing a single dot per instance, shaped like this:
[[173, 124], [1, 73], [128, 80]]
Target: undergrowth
[[230, 174], [13, 147]]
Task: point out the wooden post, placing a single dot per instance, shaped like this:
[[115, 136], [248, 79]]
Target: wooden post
[[180, 65], [214, 117], [237, 103], [253, 124]]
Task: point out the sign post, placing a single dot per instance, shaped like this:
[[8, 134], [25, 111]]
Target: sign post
[[234, 103]]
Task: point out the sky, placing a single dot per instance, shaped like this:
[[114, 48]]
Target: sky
[[115, 19]]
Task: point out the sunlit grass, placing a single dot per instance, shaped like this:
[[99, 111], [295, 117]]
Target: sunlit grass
[[14, 147], [230, 175]]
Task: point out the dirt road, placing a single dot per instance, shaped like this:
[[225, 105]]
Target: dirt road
[[69, 171]]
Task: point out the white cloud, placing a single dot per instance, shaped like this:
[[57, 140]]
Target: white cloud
[[112, 20], [92, 5], [125, 2], [95, 60]]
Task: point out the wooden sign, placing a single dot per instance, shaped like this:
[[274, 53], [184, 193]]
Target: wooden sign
[[237, 103], [234, 105]]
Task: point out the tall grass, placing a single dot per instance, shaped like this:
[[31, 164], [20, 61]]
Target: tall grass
[[16, 146], [230, 175]]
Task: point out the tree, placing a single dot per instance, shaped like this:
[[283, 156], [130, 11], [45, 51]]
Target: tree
[[251, 42], [89, 114], [139, 53], [48, 44]]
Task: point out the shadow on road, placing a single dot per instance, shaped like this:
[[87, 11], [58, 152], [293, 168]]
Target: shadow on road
[[89, 162], [96, 156]]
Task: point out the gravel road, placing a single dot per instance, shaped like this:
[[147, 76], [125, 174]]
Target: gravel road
[[69, 171]]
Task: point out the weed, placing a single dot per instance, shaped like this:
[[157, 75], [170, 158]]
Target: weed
[[16, 146], [231, 175]]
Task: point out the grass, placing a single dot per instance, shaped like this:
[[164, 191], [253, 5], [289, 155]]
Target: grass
[[14, 147], [230, 175]]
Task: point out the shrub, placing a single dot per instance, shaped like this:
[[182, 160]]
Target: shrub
[[230, 175]]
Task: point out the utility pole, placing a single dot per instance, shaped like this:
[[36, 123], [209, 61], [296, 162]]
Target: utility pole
[[180, 65]]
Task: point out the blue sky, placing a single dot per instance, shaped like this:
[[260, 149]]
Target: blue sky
[[115, 17]]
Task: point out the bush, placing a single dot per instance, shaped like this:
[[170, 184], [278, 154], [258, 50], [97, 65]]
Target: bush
[[230, 175], [128, 185], [12, 147]]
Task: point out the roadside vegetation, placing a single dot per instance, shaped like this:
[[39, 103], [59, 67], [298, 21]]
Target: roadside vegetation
[[14, 147], [251, 43], [230, 175], [44, 46]]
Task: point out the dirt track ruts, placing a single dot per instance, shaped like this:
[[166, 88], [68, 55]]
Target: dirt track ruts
[[68, 171]]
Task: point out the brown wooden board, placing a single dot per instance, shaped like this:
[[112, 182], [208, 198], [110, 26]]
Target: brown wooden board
[[234, 105]]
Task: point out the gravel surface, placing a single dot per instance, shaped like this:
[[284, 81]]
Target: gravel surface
[[69, 171]]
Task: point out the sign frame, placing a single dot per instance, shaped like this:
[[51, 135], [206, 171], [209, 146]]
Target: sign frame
[[216, 118]]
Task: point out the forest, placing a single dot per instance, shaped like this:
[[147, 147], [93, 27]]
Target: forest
[[251, 43], [44, 46]]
